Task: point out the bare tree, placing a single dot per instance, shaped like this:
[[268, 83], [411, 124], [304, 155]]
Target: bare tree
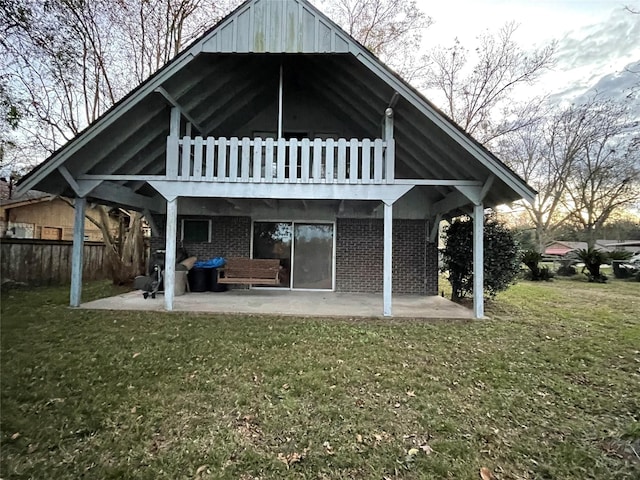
[[71, 60], [544, 152], [472, 88], [152, 32], [606, 174], [583, 161], [391, 29]]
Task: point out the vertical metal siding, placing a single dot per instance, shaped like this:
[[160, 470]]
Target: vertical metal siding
[[276, 26]]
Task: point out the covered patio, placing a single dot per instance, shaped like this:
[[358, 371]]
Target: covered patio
[[290, 303]]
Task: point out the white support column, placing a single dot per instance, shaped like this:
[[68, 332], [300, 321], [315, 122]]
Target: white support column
[[174, 122], [77, 252], [388, 259], [173, 150], [388, 124], [390, 151], [280, 102], [478, 260], [170, 253]]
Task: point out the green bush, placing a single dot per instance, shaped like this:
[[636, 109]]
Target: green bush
[[531, 258], [567, 270], [620, 255], [501, 257], [593, 259]]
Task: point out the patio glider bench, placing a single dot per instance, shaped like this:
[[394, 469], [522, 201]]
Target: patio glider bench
[[248, 271]]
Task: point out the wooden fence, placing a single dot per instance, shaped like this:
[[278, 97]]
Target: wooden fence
[[47, 262]]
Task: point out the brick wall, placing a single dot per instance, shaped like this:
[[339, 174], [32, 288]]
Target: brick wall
[[230, 237], [359, 252], [359, 257]]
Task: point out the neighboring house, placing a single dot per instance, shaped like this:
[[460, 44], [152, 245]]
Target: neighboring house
[[42, 216], [562, 247], [277, 135]]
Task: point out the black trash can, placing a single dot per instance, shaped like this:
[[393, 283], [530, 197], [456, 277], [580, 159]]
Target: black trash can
[[214, 286], [199, 279]]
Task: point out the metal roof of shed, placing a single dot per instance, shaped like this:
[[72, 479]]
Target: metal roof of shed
[[233, 69]]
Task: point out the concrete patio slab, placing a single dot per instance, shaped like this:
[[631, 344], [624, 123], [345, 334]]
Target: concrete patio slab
[[293, 303]]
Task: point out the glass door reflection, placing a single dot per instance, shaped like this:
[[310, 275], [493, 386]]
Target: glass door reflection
[[305, 251], [274, 240]]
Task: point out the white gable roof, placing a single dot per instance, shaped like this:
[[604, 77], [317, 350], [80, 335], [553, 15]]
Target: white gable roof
[[289, 27], [277, 26]]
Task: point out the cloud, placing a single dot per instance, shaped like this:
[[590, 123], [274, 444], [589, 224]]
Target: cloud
[[603, 43], [619, 85], [602, 59]]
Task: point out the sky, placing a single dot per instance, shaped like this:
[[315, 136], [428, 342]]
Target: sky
[[598, 41]]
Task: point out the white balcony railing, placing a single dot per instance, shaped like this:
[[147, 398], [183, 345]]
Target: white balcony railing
[[268, 160]]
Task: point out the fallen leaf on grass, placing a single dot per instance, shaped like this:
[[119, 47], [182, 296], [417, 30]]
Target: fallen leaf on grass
[[201, 469], [329, 448], [359, 438], [411, 393], [15, 436], [292, 458], [136, 354], [413, 452], [486, 474], [134, 410], [426, 449]]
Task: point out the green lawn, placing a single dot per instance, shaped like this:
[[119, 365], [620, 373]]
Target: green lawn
[[549, 388]]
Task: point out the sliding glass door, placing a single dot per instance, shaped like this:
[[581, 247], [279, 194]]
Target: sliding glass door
[[305, 251], [274, 240]]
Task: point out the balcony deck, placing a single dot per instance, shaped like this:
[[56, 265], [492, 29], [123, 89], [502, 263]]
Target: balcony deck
[[246, 160]]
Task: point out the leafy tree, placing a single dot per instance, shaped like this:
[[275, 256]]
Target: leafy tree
[[501, 257]]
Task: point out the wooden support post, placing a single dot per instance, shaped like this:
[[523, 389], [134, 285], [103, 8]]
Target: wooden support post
[[478, 260], [388, 259], [170, 253], [77, 252]]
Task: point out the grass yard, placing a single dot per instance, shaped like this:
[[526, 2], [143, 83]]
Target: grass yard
[[547, 389]]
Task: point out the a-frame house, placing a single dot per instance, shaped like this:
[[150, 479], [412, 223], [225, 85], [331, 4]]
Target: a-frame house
[[276, 134]]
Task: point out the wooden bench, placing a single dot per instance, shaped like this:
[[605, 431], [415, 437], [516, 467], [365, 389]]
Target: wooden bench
[[250, 271]]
